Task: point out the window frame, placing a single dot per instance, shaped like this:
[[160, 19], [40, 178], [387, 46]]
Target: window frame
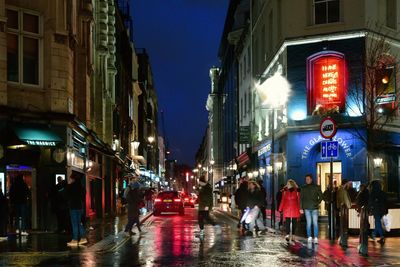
[[20, 33], [326, 12]]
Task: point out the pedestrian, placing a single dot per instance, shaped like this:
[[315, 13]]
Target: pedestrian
[[19, 194], [134, 199], [362, 209], [278, 203], [205, 204], [148, 195], [290, 207], [378, 207], [76, 195], [310, 198], [343, 202], [254, 202], [263, 208], [4, 215], [60, 206], [241, 196]]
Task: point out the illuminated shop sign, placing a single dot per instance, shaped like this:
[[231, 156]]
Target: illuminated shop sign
[[40, 143], [346, 147], [326, 81]]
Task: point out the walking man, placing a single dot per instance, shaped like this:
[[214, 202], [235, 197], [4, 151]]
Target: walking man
[[134, 197], [241, 196], [76, 195], [310, 197], [205, 204], [344, 204]]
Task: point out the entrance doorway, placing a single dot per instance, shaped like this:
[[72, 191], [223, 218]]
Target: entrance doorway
[[323, 174]]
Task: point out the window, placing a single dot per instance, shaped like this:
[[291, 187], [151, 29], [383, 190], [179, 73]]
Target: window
[[23, 47], [391, 14], [248, 59], [326, 11]]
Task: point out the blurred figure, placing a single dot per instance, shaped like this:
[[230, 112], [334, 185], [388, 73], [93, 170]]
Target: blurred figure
[[134, 199], [343, 202], [241, 196], [60, 206], [362, 208], [76, 196], [290, 207], [254, 202], [264, 197], [205, 204], [4, 215], [278, 203], [19, 194], [378, 207], [148, 195]]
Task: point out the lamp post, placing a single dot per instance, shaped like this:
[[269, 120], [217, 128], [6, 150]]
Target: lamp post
[[273, 93], [150, 139]]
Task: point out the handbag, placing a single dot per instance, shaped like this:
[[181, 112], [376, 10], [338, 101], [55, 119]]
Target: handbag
[[387, 222]]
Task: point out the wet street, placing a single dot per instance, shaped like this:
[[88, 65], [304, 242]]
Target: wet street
[[171, 240]]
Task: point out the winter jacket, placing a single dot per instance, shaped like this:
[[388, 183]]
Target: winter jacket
[[255, 198], [241, 195], [205, 197], [310, 197], [134, 198], [377, 200], [290, 204], [362, 199], [19, 193], [343, 198], [76, 194]]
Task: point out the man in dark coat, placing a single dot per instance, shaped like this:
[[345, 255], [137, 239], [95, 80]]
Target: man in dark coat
[[205, 204], [263, 206], [19, 194], [60, 206], [241, 196], [134, 198], [378, 206], [76, 195]]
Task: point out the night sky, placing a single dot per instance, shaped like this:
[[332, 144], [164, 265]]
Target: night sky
[[182, 39]]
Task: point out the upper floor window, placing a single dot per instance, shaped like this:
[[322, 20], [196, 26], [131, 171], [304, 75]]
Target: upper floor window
[[326, 11], [23, 47], [391, 14]]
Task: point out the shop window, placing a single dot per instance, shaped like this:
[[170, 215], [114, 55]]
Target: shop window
[[23, 47], [326, 11]]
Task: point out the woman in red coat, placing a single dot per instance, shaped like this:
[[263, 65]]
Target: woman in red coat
[[290, 206]]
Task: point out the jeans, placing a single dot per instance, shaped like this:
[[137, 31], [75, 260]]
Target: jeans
[[378, 226], [78, 231], [312, 218], [21, 210]]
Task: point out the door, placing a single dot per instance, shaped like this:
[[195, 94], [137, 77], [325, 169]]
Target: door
[[323, 174]]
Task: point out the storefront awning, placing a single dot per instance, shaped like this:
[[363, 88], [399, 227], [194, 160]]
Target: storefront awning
[[36, 135]]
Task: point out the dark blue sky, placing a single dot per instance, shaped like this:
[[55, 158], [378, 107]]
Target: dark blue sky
[[182, 39]]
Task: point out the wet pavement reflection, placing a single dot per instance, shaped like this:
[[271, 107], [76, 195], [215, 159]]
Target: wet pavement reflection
[[172, 240]]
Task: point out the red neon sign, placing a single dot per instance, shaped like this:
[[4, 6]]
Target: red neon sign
[[326, 81]]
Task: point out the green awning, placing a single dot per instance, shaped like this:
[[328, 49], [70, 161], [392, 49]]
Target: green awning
[[36, 135]]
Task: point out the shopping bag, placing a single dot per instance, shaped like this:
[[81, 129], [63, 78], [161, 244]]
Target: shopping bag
[[387, 222], [246, 212], [252, 216]]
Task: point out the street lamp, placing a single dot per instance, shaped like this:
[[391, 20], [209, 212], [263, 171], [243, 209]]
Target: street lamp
[[273, 93]]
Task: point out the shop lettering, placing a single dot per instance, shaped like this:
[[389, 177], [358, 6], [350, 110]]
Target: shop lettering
[[264, 149], [315, 140], [40, 143]]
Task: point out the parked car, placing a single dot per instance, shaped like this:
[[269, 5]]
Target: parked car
[[168, 201]]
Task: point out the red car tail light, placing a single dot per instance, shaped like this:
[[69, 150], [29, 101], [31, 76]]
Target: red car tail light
[[157, 200], [177, 200], [191, 201], [186, 199]]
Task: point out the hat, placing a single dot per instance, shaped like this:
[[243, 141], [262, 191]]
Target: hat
[[136, 185]]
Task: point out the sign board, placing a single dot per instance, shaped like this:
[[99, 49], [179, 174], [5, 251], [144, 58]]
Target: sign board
[[329, 149], [244, 135], [328, 128]]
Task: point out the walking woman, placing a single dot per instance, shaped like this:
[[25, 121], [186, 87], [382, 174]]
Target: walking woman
[[290, 206], [362, 208], [254, 201], [378, 206]]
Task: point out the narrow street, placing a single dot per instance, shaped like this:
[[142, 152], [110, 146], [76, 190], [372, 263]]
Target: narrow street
[[170, 240]]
